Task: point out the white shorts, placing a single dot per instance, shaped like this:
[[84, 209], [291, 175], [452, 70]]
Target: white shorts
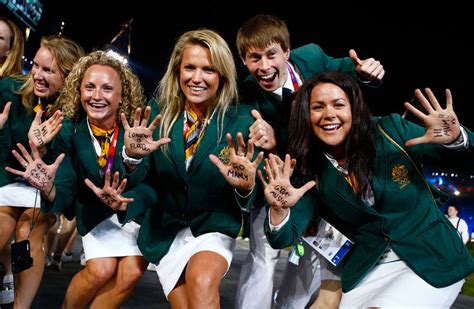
[[393, 285], [110, 239], [184, 246], [19, 194]]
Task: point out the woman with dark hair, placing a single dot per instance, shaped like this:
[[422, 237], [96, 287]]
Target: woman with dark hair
[[368, 184]]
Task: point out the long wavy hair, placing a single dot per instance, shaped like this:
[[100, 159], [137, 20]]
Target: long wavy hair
[[66, 53], [169, 95], [132, 92], [359, 144], [11, 66], [261, 31]]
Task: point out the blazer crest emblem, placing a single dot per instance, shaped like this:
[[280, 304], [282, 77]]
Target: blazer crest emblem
[[400, 175]]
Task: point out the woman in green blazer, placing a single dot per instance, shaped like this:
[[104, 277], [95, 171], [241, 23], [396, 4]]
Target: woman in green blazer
[[369, 185], [19, 202], [191, 208], [96, 91]]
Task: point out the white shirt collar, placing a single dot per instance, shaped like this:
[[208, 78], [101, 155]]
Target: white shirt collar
[[278, 93]]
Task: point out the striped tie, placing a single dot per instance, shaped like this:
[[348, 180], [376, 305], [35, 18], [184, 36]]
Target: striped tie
[[192, 135]]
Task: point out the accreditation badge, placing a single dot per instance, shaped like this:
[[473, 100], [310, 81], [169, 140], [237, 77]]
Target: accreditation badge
[[330, 243]]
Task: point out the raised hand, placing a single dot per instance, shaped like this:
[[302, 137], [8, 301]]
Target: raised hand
[[241, 171], [261, 133], [4, 114], [41, 133], [110, 194], [442, 125], [37, 173], [279, 192], [368, 69], [138, 139]]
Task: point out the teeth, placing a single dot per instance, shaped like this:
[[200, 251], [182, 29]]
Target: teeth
[[330, 126], [97, 105], [196, 88], [266, 77]]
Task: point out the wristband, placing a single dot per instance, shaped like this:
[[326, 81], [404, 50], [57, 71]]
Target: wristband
[[130, 160]]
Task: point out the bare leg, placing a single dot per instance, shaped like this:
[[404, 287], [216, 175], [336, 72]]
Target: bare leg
[[120, 287], [203, 278], [28, 281], [68, 229], [178, 297], [50, 238], [8, 219], [329, 296], [87, 282], [72, 239]]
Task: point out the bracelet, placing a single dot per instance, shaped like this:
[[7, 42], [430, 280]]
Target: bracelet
[[130, 160]]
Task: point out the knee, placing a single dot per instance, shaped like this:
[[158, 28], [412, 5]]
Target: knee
[[202, 284], [131, 277], [22, 231], [98, 275]]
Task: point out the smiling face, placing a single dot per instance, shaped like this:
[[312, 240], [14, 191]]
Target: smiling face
[[331, 117], [268, 66], [5, 41], [47, 76], [101, 93], [198, 78]]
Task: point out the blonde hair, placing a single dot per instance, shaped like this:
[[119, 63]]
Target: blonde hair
[[132, 91], [65, 52], [169, 96], [12, 64]]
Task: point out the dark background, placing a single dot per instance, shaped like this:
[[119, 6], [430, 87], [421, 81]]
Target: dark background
[[419, 45], [424, 46]]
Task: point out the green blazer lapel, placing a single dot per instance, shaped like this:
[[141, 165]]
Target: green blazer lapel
[[85, 149], [118, 148], [342, 187], [177, 146], [381, 173], [209, 140], [271, 106]]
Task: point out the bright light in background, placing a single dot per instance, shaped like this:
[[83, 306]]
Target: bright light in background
[[27, 33], [117, 56]]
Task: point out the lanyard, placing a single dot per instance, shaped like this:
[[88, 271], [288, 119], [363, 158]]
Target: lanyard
[[294, 81], [113, 144]]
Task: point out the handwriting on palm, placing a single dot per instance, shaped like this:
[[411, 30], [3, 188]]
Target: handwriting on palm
[[442, 125], [41, 133], [240, 172], [39, 174], [279, 192], [110, 193], [138, 139]]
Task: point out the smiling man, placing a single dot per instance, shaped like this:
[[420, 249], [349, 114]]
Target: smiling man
[[263, 43]]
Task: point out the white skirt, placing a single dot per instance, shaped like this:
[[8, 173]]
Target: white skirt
[[393, 285], [184, 246], [110, 239], [19, 194]]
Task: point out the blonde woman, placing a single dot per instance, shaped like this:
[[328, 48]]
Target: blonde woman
[[19, 202]]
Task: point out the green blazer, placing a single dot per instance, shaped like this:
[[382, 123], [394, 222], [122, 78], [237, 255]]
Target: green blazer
[[308, 60], [73, 197], [15, 129], [404, 217], [172, 198]]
